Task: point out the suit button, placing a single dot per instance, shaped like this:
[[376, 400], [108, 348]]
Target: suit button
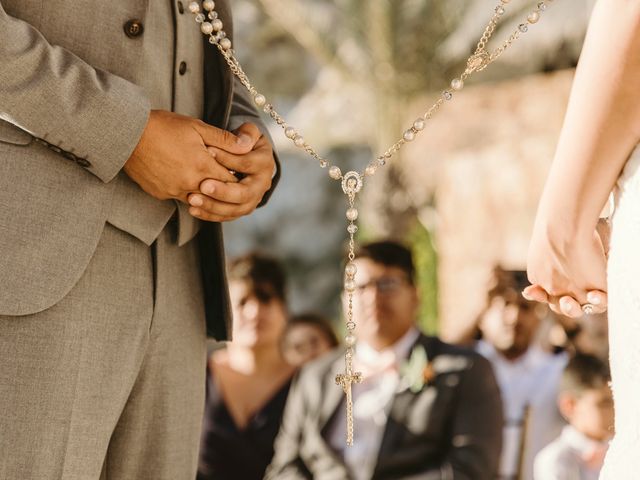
[[180, 8], [133, 28], [182, 69]]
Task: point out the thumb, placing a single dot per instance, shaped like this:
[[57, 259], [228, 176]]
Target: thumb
[[223, 139], [249, 131]]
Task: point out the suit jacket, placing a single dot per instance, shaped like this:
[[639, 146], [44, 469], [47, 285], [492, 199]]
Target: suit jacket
[[77, 81], [451, 429]]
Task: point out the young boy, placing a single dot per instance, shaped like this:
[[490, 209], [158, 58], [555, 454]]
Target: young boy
[[585, 401]]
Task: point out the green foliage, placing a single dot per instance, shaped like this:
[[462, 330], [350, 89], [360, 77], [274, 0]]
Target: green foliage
[[426, 260]]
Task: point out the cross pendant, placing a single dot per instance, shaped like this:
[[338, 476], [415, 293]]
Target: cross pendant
[[346, 380]]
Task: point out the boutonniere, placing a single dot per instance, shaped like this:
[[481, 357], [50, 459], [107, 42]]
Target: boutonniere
[[417, 371]]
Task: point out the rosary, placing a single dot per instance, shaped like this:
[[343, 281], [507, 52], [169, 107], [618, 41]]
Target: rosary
[[352, 181]]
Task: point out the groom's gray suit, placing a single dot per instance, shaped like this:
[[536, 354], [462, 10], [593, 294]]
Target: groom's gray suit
[[103, 288]]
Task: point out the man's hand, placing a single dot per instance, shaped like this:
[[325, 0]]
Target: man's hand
[[171, 159], [220, 200]]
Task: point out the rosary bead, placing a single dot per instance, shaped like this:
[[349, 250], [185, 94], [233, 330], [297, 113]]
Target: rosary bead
[[523, 28], [500, 10], [349, 285], [457, 84], [447, 95], [533, 17], [209, 5], [298, 141], [194, 7], [335, 173], [350, 269], [352, 214], [290, 132], [259, 100], [352, 229], [206, 28], [419, 124], [381, 161], [409, 135], [323, 163], [225, 43], [542, 6], [217, 24], [370, 170], [200, 18], [350, 340]]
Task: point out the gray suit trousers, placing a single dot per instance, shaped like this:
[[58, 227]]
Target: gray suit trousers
[[109, 383]]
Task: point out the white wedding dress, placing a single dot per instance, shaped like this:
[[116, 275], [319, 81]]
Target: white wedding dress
[[623, 458]]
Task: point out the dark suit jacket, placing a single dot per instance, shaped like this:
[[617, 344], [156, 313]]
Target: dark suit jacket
[[451, 429]]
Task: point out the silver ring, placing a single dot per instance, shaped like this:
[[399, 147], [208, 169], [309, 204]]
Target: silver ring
[[587, 308]]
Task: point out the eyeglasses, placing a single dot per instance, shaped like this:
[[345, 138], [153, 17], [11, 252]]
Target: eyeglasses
[[383, 285]]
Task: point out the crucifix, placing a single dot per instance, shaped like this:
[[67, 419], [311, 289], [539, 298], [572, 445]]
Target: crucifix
[[352, 182]]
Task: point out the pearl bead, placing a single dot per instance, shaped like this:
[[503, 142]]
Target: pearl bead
[[419, 124], [194, 7], [350, 340], [349, 285], [259, 100], [217, 24], [225, 43], [200, 18], [533, 17], [409, 135], [352, 229], [290, 132], [352, 214], [457, 84], [298, 141], [370, 170], [206, 28], [350, 269], [209, 5], [335, 173]]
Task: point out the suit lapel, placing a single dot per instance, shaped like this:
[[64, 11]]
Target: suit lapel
[[333, 398]]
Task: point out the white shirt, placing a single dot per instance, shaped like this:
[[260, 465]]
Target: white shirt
[[529, 390], [371, 403], [572, 456]]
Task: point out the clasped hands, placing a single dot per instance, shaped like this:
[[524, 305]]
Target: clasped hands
[[567, 269], [186, 159]]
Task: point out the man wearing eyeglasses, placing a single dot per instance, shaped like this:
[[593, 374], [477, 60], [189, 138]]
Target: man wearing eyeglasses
[[425, 409]]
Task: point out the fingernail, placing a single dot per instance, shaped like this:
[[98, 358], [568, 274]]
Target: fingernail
[[195, 201], [244, 140], [526, 295], [208, 188], [565, 306], [593, 298]]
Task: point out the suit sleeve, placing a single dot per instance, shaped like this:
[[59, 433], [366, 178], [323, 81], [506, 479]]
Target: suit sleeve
[[77, 110], [476, 435], [287, 463], [477, 426], [243, 110]]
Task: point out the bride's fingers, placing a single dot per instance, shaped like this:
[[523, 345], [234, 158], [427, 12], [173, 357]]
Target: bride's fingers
[[570, 307], [598, 299], [535, 293]]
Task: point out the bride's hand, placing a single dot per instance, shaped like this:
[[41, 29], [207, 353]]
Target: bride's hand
[[567, 271]]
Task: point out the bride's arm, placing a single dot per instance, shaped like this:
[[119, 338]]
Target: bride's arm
[[601, 128]]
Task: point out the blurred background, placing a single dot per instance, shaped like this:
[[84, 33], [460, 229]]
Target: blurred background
[[352, 75]]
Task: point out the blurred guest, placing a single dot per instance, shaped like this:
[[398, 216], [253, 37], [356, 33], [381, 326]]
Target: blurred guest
[[585, 401], [306, 337], [247, 382], [425, 409], [527, 375]]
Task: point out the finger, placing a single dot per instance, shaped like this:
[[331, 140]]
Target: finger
[[213, 169], [251, 130], [535, 293], [246, 191], [570, 307], [258, 161], [599, 300], [223, 139], [216, 207]]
